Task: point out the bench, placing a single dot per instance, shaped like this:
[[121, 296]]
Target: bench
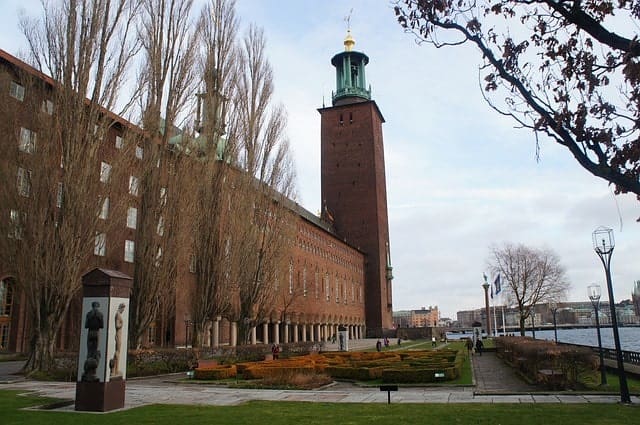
[[388, 389]]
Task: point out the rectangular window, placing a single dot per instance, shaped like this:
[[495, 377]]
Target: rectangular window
[[16, 91], [337, 290], [316, 284], [344, 292], [133, 185], [6, 298], [4, 336], [105, 172], [151, 335], [100, 247], [104, 211], [24, 182], [160, 227], [129, 250], [16, 223], [27, 140], [326, 286], [132, 217], [139, 152], [304, 281], [47, 107], [290, 278], [119, 142], [60, 195], [158, 257], [163, 196]]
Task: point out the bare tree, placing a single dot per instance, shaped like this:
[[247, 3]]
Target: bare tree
[[289, 292], [532, 276], [211, 219], [565, 69], [262, 241], [86, 48], [167, 75]]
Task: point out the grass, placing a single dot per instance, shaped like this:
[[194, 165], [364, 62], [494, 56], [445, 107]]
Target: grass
[[281, 413], [613, 384]]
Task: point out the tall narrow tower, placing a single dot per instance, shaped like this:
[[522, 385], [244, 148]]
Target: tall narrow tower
[[353, 179]]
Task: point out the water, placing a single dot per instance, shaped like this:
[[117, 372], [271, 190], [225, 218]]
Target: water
[[629, 337]]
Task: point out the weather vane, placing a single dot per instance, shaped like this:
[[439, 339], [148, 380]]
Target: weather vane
[[347, 19]]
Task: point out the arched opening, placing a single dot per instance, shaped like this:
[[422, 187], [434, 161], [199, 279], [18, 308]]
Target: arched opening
[[7, 296]]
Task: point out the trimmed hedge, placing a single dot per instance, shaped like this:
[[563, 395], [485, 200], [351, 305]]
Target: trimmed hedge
[[216, 372], [395, 367], [531, 356]]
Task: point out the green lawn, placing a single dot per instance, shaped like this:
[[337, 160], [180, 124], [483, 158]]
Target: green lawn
[[277, 413]]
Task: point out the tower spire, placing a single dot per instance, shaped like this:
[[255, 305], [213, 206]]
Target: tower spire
[[351, 84]]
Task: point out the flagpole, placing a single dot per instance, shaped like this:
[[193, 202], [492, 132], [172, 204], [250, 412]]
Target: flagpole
[[504, 328], [495, 320]]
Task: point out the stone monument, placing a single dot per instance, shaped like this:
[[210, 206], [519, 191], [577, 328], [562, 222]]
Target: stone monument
[[102, 357]]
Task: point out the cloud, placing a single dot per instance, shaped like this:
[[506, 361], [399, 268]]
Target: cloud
[[459, 176]]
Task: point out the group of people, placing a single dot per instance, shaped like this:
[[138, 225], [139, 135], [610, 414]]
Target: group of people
[[275, 350], [479, 346], [386, 344]]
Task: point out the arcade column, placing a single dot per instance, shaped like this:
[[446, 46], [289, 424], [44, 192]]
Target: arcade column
[[102, 357]]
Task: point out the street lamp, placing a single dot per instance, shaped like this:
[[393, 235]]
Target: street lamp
[[603, 244], [553, 306], [594, 296], [485, 285]]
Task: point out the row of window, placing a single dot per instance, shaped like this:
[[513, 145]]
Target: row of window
[[100, 247], [23, 184], [105, 174], [345, 256], [340, 288], [17, 91]]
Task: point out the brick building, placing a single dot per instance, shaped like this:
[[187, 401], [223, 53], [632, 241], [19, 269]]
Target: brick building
[[339, 263]]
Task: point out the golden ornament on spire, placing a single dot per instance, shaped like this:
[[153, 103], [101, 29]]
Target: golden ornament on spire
[[349, 42]]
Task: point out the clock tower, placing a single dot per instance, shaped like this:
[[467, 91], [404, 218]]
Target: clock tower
[[354, 190]]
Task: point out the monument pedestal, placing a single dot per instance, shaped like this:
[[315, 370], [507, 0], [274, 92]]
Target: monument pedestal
[[102, 357], [100, 396]]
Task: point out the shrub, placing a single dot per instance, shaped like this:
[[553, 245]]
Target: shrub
[[215, 372], [530, 356]]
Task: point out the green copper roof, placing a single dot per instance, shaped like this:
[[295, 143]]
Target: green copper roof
[[350, 76]]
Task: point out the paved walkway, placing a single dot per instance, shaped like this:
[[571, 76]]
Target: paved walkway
[[494, 383]]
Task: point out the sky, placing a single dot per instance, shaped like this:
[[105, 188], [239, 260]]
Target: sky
[[460, 177]]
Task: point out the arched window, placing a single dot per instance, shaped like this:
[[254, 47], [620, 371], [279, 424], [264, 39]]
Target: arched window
[[6, 304]]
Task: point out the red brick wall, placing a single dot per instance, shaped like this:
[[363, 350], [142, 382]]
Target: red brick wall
[[354, 189]]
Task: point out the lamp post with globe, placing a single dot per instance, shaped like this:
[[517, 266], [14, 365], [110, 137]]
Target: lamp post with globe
[[603, 244], [594, 296]]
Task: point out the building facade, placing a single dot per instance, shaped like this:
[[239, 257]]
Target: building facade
[[353, 179], [339, 271]]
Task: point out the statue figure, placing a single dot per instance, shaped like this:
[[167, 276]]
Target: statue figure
[[94, 321], [114, 363]]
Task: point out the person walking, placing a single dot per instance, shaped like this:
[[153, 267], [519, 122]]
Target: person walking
[[469, 346], [479, 346]]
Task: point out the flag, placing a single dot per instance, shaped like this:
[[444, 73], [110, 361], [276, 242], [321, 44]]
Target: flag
[[497, 284], [492, 292]]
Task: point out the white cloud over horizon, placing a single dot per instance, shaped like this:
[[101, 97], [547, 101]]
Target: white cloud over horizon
[[460, 177]]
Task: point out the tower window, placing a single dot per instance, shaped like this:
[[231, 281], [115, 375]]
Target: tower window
[[341, 120], [350, 117]]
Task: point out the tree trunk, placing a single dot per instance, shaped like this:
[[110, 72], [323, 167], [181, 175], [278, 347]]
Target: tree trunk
[[42, 351], [198, 334], [522, 320]]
